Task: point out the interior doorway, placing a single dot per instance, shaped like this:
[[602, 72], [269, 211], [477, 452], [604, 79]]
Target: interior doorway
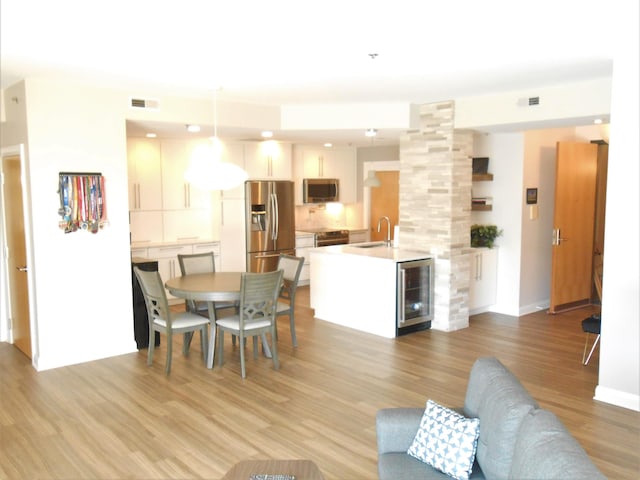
[[578, 240], [383, 200], [17, 318]]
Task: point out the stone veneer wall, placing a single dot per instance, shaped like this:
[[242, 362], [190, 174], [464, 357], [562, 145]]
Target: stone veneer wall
[[435, 207]]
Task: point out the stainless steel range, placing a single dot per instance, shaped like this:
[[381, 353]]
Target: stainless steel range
[[329, 236]]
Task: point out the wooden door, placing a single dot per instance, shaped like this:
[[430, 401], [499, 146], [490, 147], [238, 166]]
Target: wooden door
[[572, 253], [601, 200], [384, 202], [17, 254]]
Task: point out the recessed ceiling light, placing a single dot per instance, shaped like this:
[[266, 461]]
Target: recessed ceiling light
[[267, 134], [328, 145], [193, 128], [597, 121], [151, 135], [372, 132]]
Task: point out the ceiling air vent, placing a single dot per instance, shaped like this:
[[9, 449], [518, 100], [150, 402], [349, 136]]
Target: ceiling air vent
[[144, 103], [534, 101]]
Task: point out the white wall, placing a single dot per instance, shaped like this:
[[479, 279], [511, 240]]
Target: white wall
[[82, 281], [540, 173], [559, 106], [619, 381], [505, 152]]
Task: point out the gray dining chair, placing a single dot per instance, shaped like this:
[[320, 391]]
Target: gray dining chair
[[163, 320], [201, 263], [291, 267], [256, 316]]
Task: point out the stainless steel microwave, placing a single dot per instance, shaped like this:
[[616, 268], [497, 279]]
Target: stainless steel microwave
[[320, 190]]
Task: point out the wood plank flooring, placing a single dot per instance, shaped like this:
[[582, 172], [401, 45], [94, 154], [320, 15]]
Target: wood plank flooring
[[118, 418]]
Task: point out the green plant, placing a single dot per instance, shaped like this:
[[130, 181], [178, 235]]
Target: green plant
[[484, 235]]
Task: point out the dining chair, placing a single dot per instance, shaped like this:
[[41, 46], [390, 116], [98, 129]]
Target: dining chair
[[592, 324], [291, 267], [163, 320], [256, 316], [200, 263]]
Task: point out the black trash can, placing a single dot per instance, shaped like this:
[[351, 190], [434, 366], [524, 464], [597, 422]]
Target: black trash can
[[140, 317]]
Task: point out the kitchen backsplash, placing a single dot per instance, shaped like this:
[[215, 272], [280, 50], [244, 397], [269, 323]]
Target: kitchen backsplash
[[331, 215]]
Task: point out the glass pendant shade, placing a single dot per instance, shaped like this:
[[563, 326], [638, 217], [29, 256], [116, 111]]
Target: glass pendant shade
[[372, 180], [208, 171]]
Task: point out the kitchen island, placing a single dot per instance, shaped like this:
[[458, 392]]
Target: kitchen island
[[356, 285]]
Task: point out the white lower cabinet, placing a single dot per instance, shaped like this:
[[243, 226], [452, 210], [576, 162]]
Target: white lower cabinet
[[167, 257], [484, 279], [304, 243]]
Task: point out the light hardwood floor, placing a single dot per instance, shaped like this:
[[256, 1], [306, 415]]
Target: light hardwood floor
[[118, 418]]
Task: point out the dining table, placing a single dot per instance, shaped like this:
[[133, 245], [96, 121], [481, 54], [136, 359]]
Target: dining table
[[210, 287]]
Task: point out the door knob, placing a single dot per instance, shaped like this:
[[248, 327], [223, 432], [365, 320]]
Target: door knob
[[22, 269]]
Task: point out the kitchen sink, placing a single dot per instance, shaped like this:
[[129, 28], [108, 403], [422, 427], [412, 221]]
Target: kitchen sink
[[368, 245]]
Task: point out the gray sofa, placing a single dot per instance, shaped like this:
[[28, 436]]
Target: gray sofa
[[518, 440]]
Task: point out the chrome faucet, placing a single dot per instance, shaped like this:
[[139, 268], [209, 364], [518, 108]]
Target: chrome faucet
[[388, 240]]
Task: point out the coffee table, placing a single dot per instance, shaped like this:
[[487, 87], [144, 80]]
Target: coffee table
[[300, 469]]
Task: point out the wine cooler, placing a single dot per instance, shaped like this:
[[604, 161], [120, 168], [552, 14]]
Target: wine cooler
[[415, 295]]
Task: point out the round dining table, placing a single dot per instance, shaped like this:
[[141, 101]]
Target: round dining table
[[210, 287]]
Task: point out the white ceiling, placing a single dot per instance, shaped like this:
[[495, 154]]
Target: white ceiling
[[288, 52]]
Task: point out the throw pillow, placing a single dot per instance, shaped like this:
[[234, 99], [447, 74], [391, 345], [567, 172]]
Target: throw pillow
[[446, 440]]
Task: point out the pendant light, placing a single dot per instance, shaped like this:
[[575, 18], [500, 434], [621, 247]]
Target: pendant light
[[207, 170], [372, 180]]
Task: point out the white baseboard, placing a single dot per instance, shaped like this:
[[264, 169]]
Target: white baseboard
[[618, 398]]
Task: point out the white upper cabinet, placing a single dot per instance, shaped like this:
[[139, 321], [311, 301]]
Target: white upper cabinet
[[233, 153], [268, 160], [177, 193], [145, 177], [335, 162]]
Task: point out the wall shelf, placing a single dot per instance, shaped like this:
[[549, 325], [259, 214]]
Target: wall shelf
[[481, 208], [482, 177]]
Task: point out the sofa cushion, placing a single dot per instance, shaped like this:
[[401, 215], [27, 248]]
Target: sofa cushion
[[446, 440], [400, 466], [496, 396], [545, 450]]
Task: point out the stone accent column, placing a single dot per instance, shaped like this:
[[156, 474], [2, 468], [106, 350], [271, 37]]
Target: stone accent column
[[435, 207]]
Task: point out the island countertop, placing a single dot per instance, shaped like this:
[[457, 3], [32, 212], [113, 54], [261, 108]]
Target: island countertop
[[374, 250]]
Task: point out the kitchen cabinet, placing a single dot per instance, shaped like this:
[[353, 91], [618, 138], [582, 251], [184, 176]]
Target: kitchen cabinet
[[144, 171], [232, 215], [168, 265], [187, 225], [357, 287], [358, 236], [233, 153], [484, 279], [304, 243], [232, 234], [177, 193], [268, 160], [338, 162]]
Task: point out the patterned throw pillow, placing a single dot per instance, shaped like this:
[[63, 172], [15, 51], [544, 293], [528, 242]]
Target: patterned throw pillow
[[446, 440]]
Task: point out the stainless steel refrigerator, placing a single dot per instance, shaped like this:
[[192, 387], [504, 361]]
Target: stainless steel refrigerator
[[270, 222]]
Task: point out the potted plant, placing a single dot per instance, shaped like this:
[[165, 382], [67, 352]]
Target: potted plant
[[484, 235]]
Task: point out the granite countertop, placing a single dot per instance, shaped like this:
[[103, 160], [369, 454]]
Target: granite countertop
[[378, 250]]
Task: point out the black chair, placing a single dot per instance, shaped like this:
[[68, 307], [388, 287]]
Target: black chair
[[590, 325]]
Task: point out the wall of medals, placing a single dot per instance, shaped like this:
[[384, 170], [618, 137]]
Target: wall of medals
[[83, 204]]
